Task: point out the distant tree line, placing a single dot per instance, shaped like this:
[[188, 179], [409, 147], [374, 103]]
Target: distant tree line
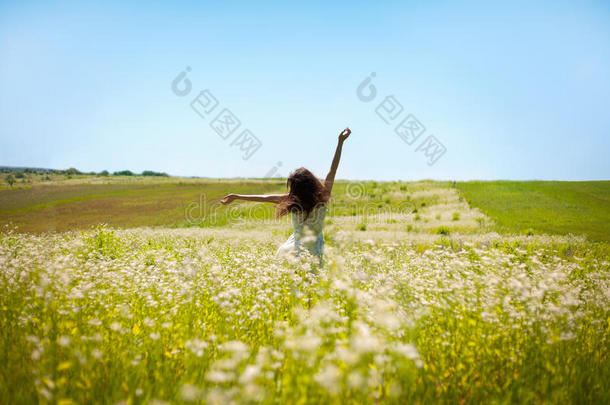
[[20, 172], [144, 173], [24, 173], [156, 174]]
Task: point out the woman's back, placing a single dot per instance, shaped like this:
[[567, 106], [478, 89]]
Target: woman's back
[[302, 222], [307, 234]]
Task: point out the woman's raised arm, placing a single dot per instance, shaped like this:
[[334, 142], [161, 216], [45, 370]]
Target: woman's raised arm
[[270, 198], [330, 177]]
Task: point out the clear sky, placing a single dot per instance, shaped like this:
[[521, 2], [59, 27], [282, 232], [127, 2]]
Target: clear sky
[[514, 90]]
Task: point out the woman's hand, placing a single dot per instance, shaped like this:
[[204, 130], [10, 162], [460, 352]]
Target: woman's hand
[[344, 134], [228, 199]]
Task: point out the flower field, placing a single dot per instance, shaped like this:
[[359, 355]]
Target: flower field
[[425, 306]]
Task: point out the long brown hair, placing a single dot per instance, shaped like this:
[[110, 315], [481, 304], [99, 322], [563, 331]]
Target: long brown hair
[[305, 192]]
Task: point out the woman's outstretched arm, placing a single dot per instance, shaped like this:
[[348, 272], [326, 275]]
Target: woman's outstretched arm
[[270, 198], [330, 177]]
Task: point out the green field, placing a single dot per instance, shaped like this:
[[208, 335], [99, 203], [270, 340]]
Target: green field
[[579, 208], [553, 207], [422, 298], [122, 202]]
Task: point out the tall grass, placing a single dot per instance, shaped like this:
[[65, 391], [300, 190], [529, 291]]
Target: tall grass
[[211, 315]]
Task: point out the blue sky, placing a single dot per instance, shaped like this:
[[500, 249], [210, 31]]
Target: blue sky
[[515, 90]]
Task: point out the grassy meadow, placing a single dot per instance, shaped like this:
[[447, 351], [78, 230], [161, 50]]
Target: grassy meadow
[[544, 206], [431, 292]]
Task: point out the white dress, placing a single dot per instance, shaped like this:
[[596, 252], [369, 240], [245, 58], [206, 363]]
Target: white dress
[[307, 234]]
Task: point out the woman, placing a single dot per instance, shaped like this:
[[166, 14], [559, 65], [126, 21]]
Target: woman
[[306, 201]]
